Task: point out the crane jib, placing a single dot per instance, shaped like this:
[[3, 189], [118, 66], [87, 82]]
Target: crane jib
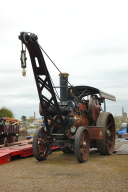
[[42, 79]]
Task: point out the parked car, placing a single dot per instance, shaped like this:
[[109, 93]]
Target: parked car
[[123, 129], [30, 133]]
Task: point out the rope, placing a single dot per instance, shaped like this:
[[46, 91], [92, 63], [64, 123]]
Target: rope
[[60, 73]]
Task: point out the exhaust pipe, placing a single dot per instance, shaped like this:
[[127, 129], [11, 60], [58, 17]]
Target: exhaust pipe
[[63, 86]]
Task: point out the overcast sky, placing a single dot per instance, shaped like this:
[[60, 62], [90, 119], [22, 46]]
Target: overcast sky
[[87, 39]]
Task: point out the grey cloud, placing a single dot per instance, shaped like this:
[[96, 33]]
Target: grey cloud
[[108, 50]]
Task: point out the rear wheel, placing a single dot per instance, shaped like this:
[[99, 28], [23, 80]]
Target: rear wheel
[[82, 144], [106, 145], [40, 144]]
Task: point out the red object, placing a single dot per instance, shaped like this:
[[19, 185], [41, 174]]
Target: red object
[[23, 148], [82, 107]]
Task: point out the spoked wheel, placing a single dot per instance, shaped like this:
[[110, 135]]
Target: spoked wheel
[[106, 145], [82, 144], [40, 144]]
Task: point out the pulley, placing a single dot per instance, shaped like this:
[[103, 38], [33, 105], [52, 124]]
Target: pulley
[[23, 60]]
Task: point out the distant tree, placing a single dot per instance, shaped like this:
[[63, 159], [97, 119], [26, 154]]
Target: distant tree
[[118, 122], [5, 112], [30, 120], [23, 118]]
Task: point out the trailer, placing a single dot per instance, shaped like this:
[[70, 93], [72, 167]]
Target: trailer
[[22, 148], [9, 130], [75, 121]]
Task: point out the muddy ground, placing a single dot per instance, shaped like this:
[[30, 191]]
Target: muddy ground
[[62, 173]]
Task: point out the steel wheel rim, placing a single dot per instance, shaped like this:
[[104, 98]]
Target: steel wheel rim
[[84, 145], [110, 134], [43, 148]]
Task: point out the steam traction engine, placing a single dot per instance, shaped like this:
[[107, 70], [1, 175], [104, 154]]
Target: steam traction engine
[[74, 124]]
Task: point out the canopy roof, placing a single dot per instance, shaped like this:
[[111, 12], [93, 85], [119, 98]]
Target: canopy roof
[[83, 91]]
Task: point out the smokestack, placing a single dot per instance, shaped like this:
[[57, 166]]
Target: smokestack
[[122, 111], [63, 86], [34, 115]]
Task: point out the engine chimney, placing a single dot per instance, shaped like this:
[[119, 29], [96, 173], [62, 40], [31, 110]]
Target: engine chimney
[[63, 86]]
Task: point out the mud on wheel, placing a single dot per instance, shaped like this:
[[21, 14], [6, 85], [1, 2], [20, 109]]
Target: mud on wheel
[[82, 144], [40, 144], [106, 145]]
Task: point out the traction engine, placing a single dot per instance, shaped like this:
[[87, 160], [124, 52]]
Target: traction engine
[[77, 121]]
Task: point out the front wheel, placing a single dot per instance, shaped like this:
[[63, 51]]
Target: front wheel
[[82, 144], [40, 144]]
